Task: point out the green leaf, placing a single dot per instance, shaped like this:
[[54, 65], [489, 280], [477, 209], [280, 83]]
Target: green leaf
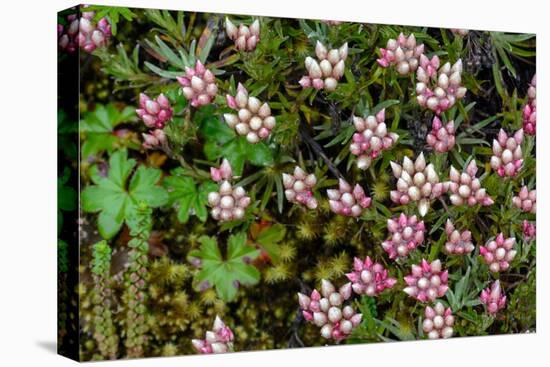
[[98, 127], [190, 198], [225, 275], [269, 240], [114, 200]]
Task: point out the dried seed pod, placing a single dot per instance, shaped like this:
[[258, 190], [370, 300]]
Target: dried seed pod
[[253, 120], [438, 321], [526, 200], [465, 188], [245, 37], [438, 90], [228, 203], [217, 340], [155, 113], [493, 298], [403, 54], [299, 188], [458, 243], [507, 159], [499, 253], [416, 182], [369, 278], [426, 281], [348, 202], [530, 109], [154, 139], [325, 72], [406, 234], [442, 137], [198, 85], [371, 138], [327, 310]]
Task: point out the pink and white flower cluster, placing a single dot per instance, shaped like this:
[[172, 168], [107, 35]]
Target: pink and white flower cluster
[[325, 72], [155, 113], [465, 188], [83, 33], [245, 38], [526, 200], [438, 90], [493, 298], [507, 158], [348, 202], [253, 119], [369, 278], [442, 137], [499, 253], [299, 188], [458, 243], [402, 53], [427, 281], [199, 85], [217, 340], [327, 310], [228, 203], [438, 321], [530, 109], [416, 182], [371, 138], [407, 233]]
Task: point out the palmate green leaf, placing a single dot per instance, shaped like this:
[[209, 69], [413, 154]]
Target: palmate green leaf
[[225, 275], [269, 240], [190, 197], [98, 126], [222, 142], [115, 200]]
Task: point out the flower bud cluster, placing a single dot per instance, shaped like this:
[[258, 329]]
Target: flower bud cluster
[[465, 188], [154, 113], [526, 200], [426, 281], [217, 340], [507, 158], [199, 85], [438, 90], [327, 310], [438, 321], [416, 182], [371, 138], [346, 201], [245, 38], [529, 230], [402, 53], [407, 233], [442, 137], [228, 203], [458, 243], [460, 32], [325, 72], [83, 33], [253, 119], [154, 139], [530, 109], [369, 278], [493, 298], [299, 188], [498, 253]]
